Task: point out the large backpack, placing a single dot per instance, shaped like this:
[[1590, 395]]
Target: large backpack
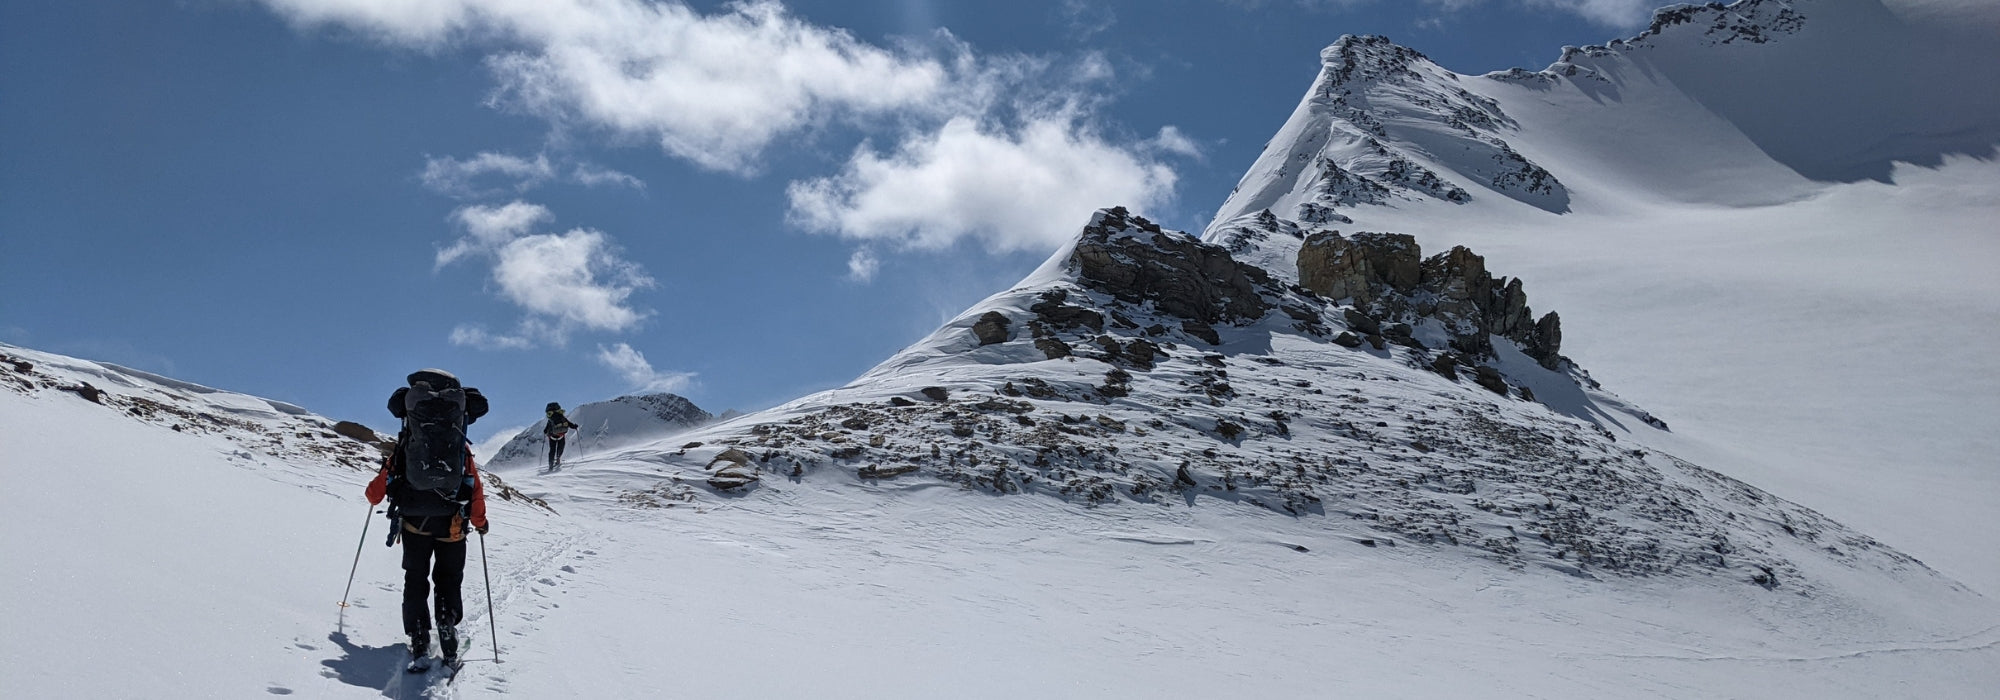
[[557, 426], [433, 449]]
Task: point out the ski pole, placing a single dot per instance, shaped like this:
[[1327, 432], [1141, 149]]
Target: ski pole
[[357, 556], [491, 624]]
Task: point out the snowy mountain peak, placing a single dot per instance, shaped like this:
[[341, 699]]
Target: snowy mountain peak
[[1368, 57], [1382, 125]]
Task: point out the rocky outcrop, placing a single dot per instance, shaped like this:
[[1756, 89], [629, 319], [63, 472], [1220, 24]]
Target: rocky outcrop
[[1133, 260], [991, 328], [1337, 267], [1386, 278]]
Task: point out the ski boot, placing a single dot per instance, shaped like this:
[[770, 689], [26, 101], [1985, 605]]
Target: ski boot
[[448, 644], [420, 647]]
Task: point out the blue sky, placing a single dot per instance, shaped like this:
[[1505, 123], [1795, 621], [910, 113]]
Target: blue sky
[[566, 201]]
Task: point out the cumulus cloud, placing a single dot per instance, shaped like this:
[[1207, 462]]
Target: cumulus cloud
[[564, 282], [1171, 140], [488, 227], [862, 265], [714, 89], [575, 278], [632, 365], [1028, 189]]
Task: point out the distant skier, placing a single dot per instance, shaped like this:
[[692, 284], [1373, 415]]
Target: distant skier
[[557, 429], [434, 493]]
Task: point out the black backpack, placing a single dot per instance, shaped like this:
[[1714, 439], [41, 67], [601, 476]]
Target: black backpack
[[435, 410], [557, 426]]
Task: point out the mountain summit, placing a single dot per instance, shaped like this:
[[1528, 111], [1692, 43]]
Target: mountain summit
[[1747, 103]]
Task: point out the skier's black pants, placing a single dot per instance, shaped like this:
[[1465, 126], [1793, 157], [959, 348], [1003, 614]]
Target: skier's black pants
[[419, 573], [556, 449]]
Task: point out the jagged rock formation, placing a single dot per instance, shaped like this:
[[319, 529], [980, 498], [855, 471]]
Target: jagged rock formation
[[607, 424], [1389, 282]]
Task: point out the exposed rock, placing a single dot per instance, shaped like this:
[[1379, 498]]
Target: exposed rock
[[876, 472], [1490, 378], [1446, 364], [1053, 312], [733, 477], [991, 328], [899, 401], [361, 433], [1054, 349], [1337, 267], [85, 390], [1203, 331], [1143, 353], [1134, 260], [1385, 278], [1361, 322], [1347, 339], [935, 393]]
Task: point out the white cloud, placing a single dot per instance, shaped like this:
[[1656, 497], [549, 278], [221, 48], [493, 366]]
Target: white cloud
[[862, 265], [714, 89], [564, 282], [490, 227], [1085, 19], [591, 176], [1610, 13], [632, 365], [477, 176], [456, 177], [476, 336], [1171, 140], [1027, 190], [576, 279]]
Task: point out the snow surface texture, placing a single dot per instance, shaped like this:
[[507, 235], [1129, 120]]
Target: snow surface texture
[[211, 563], [1779, 237], [602, 425]]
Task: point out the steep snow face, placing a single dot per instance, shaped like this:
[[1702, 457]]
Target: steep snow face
[[603, 425]]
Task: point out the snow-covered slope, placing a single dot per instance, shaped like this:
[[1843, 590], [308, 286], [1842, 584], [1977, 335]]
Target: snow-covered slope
[[165, 539], [208, 563], [1774, 230], [603, 425]]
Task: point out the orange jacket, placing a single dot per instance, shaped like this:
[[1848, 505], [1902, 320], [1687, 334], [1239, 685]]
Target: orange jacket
[[378, 489]]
